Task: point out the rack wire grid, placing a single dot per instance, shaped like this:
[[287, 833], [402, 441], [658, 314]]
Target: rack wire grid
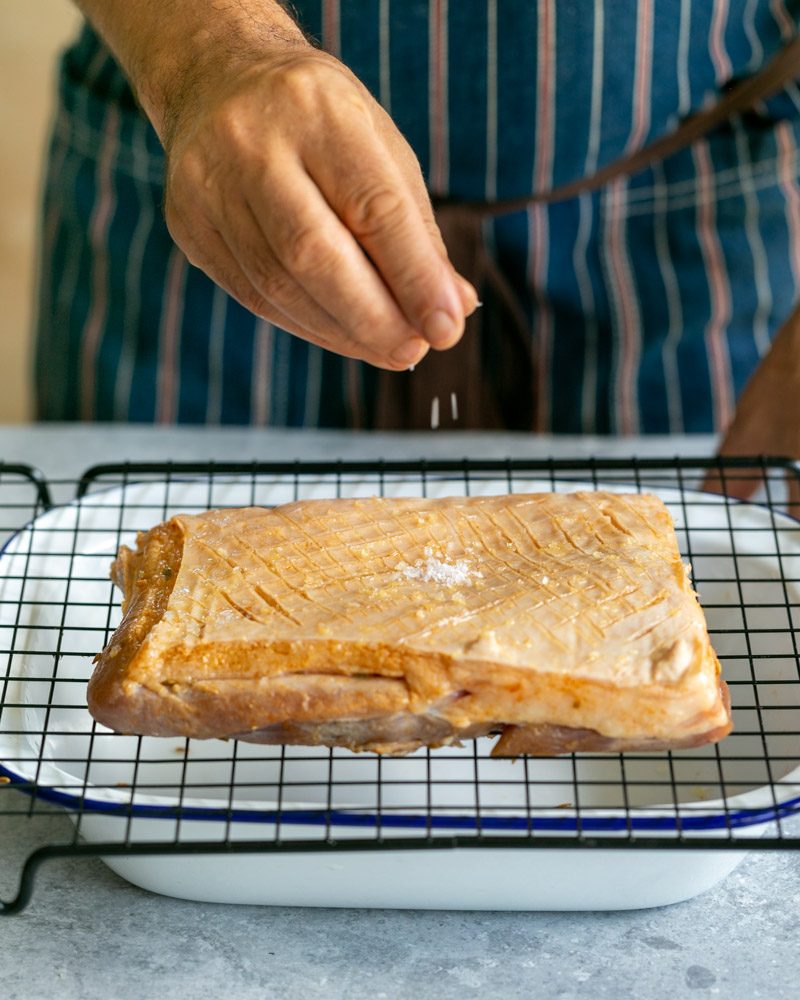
[[134, 795]]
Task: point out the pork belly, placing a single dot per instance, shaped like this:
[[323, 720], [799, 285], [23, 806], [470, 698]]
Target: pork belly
[[559, 621]]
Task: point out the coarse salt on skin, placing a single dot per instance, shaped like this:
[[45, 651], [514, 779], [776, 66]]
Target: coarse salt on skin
[[433, 570]]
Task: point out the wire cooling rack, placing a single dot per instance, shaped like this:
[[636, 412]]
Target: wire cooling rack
[[142, 796]]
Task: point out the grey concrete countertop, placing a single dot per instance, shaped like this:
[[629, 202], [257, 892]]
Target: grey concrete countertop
[[88, 934]]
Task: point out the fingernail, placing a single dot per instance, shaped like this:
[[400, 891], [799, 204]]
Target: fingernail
[[409, 352], [440, 327]]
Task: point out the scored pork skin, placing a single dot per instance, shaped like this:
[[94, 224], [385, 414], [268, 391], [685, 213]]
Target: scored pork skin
[[386, 624]]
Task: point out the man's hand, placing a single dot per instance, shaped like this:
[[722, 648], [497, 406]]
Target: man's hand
[[287, 183], [292, 188], [767, 419]]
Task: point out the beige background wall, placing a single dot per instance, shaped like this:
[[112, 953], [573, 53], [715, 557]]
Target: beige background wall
[[31, 33]]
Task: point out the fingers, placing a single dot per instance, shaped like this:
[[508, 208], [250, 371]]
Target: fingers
[[408, 164], [368, 192], [295, 312], [466, 291], [312, 245]]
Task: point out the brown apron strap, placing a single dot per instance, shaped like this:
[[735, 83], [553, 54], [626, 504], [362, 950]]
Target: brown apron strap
[[404, 401], [740, 95]]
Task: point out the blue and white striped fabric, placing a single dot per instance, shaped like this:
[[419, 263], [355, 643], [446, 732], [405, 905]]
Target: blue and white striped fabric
[[650, 302]]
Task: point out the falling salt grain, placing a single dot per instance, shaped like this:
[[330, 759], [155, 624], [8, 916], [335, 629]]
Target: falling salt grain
[[454, 405], [435, 413]]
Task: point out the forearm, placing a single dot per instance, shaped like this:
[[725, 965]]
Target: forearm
[[172, 49]]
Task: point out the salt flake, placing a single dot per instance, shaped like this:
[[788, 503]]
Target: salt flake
[[433, 570]]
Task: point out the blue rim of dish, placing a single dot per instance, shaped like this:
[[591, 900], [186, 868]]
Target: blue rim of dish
[[571, 821]]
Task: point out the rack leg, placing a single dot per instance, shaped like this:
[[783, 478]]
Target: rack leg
[[16, 905]]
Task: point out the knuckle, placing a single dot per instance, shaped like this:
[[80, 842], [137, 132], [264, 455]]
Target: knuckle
[[227, 131], [271, 283], [435, 236], [363, 331], [239, 288], [308, 250], [373, 210], [251, 300], [243, 290], [299, 83], [261, 308], [350, 347], [298, 77]]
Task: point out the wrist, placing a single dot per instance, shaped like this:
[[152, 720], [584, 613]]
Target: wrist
[[177, 90], [174, 61]]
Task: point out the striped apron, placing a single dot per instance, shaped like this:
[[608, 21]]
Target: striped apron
[[649, 303]]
